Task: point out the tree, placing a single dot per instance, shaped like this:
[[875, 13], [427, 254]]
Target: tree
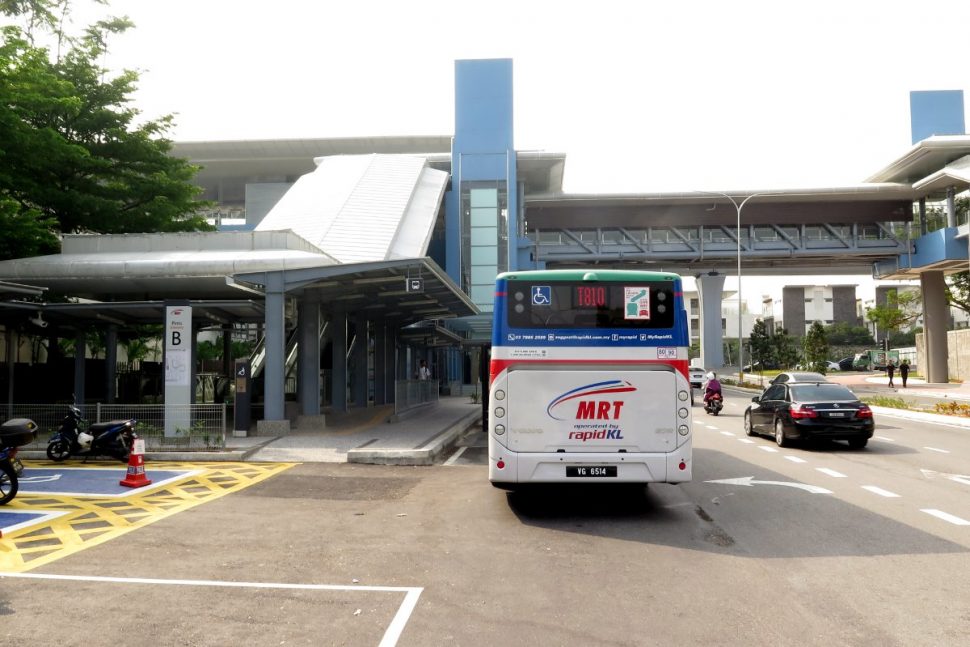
[[762, 349], [816, 348], [71, 158], [902, 309], [843, 333], [786, 351]]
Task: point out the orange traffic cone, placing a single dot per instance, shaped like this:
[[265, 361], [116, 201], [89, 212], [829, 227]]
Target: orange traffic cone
[[136, 467]]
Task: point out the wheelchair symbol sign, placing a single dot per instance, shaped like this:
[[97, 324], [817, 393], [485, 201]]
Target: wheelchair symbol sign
[[541, 295]]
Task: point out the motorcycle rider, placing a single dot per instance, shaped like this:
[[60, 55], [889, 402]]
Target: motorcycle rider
[[713, 386]]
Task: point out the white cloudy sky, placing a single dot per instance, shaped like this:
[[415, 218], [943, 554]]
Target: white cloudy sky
[[642, 96]]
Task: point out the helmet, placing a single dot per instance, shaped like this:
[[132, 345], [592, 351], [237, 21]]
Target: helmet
[[84, 439]]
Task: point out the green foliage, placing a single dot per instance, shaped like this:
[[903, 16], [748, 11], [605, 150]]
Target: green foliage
[[843, 333], [72, 159], [901, 310], [816, 348], [786, 348], [761, 344]]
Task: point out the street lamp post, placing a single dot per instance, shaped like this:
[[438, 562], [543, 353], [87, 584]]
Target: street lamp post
[[738, 207]]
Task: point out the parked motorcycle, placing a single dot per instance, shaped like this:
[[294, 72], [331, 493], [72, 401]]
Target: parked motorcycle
[[13, 434], [112, 438], [714, 404]]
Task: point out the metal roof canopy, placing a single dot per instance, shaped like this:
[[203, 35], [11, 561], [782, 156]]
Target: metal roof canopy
[[377, 290], [131, 313]]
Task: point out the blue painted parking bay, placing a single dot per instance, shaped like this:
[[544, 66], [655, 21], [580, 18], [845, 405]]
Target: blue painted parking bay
[[93, 481]]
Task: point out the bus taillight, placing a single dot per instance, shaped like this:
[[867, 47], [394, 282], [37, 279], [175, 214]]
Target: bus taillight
[[682, 466], [500, 465]]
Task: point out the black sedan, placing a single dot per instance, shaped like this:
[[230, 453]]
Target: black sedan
[[804, 411]]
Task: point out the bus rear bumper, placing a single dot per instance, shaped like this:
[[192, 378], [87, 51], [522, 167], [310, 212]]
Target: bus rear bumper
[[519, 468]]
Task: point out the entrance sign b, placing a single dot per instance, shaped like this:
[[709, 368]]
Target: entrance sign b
[[178, 368]]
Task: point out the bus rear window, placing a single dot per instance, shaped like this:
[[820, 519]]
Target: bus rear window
[[586, 304]]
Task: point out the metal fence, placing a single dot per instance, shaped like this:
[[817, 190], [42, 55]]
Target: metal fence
[[409, 394], [206, 427]]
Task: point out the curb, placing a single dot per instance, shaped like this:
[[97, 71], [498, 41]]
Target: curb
[[955, 421], [424, 455]]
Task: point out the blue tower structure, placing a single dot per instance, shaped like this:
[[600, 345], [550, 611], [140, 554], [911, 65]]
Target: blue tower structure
[[482, 205]]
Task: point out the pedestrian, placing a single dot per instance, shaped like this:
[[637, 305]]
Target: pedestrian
[[424, 373], [904, 371], [891, 370]]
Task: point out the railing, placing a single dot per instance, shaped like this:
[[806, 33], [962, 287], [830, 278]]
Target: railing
[[409, 394], [206, 427]]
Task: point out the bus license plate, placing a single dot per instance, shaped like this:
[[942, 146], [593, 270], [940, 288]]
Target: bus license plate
[[591, 470]]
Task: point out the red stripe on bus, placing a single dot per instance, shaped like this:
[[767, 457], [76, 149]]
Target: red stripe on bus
[[499, 365]]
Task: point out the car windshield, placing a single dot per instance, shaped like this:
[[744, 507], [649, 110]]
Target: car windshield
[[821, 391], [806, 377]]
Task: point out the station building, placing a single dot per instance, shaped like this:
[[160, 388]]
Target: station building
[[356, 257]]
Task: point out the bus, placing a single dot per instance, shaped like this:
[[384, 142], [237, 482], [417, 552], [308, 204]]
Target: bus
[[589, 379]]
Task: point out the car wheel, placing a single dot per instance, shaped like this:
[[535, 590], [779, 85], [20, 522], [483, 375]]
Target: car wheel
[[858, 443], [780, 434], [748, 429]]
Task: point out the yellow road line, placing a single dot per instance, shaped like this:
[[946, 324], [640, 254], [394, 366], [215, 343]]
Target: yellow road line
[[90, 521]]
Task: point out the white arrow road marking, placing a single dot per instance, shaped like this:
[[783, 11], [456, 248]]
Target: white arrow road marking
[[880, 491], [939, 514], [795, 459], [749, 481], [934, 449], [959, 478], [832, 473], [50, 478]]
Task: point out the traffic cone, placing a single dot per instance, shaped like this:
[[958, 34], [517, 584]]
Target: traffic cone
[[136, 467]]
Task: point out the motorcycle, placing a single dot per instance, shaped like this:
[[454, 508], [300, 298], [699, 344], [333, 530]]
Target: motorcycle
[[113, 438], [13, 434], [714, 403]]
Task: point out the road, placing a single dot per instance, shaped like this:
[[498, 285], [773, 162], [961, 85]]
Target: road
[[802, 546]]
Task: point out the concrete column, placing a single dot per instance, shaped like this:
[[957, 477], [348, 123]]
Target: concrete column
[[710, 289], [361, 352], [274, 366], [111, 363], [933, 287], [338, 382], [80, 350], [308, 329], [923, 229], [382, 367], [951, 211]]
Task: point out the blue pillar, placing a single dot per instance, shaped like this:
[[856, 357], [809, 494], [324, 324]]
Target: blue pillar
[[710, 290], [308, 327], [273, 369]]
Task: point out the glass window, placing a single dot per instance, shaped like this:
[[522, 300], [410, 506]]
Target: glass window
[[484, 198], [588, 304], [483, 217], [484, 256], [482, 274], [484, 236]]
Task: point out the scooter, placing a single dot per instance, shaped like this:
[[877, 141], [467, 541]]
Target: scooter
[[714, 403], [112, 438], [13, 434]]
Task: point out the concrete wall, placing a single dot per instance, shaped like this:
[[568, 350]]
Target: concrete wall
[[958, 348]]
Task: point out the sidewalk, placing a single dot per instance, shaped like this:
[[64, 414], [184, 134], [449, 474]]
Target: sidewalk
[[358, 436]]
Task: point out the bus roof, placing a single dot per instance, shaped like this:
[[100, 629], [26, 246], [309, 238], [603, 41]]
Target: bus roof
[[589, 275]]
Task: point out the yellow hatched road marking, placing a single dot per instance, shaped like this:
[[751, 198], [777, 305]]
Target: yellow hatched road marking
[[90, 521]]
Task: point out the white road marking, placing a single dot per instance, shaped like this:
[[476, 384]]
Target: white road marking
[[747, 441], [795, 459], [767, 449], [939, 514], [726, 433], [391, 635], [959, 478], [711, 427], [880, 491], [454, 457], [888, 440], [748, 481], [832, 473], [934, 449]]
